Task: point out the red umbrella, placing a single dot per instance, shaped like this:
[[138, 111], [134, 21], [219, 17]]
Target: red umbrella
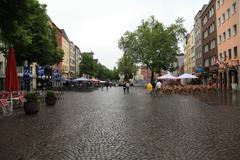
[[11, 82]]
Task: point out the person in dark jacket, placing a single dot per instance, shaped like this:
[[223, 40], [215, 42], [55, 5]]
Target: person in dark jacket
[[153, 88], [124, 87]]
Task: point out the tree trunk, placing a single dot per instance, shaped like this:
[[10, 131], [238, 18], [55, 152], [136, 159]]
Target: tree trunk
[[152, 75]]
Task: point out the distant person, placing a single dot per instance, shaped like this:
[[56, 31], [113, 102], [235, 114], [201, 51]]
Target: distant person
[[153, 88], [107, 84], [149, 87], [127, 86], [124, 87], [158, 85]]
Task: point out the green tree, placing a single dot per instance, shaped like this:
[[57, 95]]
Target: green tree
[[126, 66], [154, 44], [114, 74], [87, 65], [24, 24]]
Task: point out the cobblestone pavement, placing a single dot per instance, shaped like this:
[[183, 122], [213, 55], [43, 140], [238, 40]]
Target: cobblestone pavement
[[110, 125]]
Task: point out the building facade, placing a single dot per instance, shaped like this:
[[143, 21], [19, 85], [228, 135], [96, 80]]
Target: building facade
[[78, 59], [66, 57], [209, 42], [188, 45], [193, 54], [58, 66], [178, 65], [198, 43], [228, 42], [72, 60]]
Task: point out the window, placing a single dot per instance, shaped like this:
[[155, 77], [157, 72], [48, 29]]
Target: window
[[224, 36], [234, 30], [210, 12], [225, 55], [230, 53], [205, 20], [212, 60], [211, 28], [218, 4], [206, 48], [221, 2], [234, 8], [219, 39], [206, 62], [212, 44], [229, 33], [219, 21], [205, 34], [235, 52], [228, 13], [223, 17], [221, 56]]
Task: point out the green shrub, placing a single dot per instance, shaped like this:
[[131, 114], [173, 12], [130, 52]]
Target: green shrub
[[31, 97], [50, 94]]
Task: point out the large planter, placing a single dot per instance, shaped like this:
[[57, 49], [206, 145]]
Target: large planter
[[31, 107], [51, 101]]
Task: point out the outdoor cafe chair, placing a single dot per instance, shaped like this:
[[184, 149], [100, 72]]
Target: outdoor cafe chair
[[5, 103]]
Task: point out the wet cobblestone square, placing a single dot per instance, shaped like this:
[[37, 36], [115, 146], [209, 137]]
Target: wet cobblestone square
[[113, 125]]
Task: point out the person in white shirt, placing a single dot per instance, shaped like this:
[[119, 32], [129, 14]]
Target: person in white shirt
[[158, 85], [127, 87]]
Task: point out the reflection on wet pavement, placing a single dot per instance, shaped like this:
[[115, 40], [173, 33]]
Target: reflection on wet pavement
[[113, 125]]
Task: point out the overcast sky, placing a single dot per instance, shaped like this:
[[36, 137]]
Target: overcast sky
[[97, 25]]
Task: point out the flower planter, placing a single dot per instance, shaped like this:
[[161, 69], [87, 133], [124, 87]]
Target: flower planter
[[31, 107], [50, 101]]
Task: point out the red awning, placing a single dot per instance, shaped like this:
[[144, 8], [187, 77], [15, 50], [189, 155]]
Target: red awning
[[11, 81]]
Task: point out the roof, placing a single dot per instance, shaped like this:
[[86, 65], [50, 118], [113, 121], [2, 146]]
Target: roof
[[65, 35]]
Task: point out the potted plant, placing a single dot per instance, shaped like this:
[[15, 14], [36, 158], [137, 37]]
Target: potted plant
[[31, 105], [51, 98]]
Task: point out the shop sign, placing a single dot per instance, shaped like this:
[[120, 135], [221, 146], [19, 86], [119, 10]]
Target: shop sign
[[41, 70], [56, 75], [199, 70]]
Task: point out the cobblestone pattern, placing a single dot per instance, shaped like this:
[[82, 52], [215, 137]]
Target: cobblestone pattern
[[111, 125]]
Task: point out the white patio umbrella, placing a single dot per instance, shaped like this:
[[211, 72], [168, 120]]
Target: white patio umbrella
[[83, 79], [167, 77], [187, 76]]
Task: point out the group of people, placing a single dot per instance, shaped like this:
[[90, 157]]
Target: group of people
[[153, 87]]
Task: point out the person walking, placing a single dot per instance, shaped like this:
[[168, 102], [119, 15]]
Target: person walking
[[107, 85], [153, 88], [127, 87], [159, 85], [124, 87], [149, 87]]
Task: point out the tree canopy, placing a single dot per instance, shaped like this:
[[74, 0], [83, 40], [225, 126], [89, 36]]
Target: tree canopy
[[126, 66], [154, 44], [93, 68], [25, 25]]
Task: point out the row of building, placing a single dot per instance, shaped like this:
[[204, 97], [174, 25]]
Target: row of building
[[211, 49], [67, 69]]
